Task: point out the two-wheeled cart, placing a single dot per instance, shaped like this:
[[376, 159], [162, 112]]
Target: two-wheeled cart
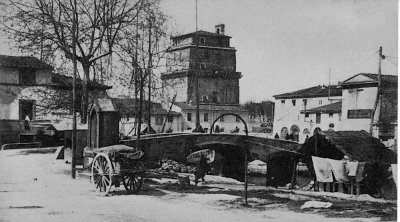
[[117, 164]]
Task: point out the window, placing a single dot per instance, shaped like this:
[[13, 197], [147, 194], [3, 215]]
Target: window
[[237, 119], [320, 102], [331, 115], [202, 41], [215, 97], [189, 117], [359, 114], [282, 101], [294, 102], [170, 119], [205, 117], [318, 118], [27, 77], [205, 99], [221, 119], [159, 120], [307, 114], [206, 55]]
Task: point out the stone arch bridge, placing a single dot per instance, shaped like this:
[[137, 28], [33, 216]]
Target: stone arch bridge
[[178, 146]]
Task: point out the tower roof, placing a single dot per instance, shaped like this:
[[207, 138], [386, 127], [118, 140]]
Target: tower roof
[[200, 32]]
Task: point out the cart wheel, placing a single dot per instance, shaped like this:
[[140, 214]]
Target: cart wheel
[[102, 173], [132, 182]]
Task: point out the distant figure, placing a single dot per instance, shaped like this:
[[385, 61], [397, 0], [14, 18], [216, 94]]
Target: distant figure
[[201, 170], [276, 136], [217, 129], [26, 123], [287, 137], [236, 130]]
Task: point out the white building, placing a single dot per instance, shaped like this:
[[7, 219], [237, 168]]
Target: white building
[[161, 120], [30, 90], [347, 107], [297, 114], [358, 102]]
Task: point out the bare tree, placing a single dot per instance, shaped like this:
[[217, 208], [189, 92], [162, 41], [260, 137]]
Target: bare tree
[[38, 24], [141, 50]]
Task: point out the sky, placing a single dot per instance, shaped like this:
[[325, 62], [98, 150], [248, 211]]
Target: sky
[[287, 45]]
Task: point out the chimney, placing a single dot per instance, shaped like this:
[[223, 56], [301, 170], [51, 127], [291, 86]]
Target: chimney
[[220, 29]]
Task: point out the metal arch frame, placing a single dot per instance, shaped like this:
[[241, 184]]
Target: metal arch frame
[[232, 114], [245, 151]]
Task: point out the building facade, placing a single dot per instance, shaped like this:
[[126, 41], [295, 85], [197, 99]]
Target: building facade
[[297, 114], [30, 90], [348, 106], [161, 120], [358, 105]]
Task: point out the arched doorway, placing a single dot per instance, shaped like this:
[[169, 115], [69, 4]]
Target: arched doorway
[[317, 130], [284, 132], [294, 133]]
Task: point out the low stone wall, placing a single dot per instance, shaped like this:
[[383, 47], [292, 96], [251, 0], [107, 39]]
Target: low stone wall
[[10, 146]]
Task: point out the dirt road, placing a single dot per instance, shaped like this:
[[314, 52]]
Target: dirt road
[[36, 187]]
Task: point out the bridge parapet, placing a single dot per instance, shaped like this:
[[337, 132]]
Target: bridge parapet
[[178, 146]]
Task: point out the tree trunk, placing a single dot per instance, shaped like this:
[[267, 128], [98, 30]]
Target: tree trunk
[[85, 93]]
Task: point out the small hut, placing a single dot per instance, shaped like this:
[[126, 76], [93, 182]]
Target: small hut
[[103, 126], [358, 146]]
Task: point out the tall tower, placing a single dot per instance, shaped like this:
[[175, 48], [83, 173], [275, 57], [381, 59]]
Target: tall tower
[[218, 79]]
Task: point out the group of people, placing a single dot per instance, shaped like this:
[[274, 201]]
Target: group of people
[[289, 137]]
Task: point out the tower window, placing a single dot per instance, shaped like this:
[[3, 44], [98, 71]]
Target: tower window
[[189, 117], [27, 77], [202, 41]]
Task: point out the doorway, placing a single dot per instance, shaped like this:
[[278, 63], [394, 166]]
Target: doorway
[[26, 108]]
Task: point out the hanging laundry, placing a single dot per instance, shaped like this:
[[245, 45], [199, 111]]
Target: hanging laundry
[[323, 170], [351, 168], [394, 172], [339, 170]]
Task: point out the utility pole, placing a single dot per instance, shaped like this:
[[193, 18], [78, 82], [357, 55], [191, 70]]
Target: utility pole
[[74, 28], [196, 65], [140, 84], [378, 92]]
